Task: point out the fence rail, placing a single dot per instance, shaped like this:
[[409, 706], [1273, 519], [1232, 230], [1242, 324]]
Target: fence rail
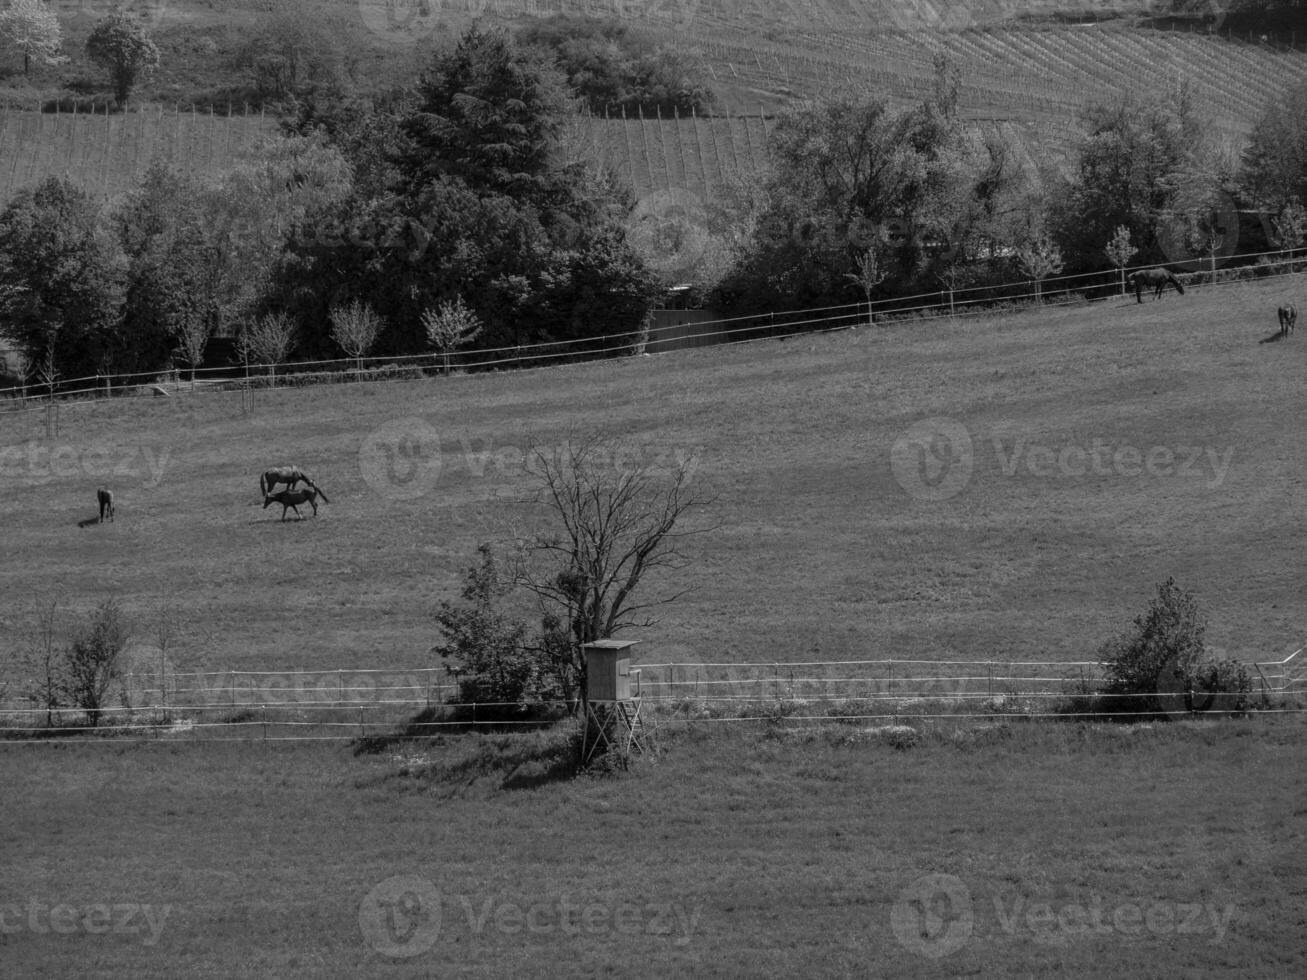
[[343, 704], [937, 304]]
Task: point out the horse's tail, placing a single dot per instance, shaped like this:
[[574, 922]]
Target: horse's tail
[[263, 484], [1179, 286]]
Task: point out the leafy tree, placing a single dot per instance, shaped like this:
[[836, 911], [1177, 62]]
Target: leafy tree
[[488, 114], [1166, 642], [355, 328], [486, 206], [91, 663], [1119, 251], [615, 69], [1290, 226], [1274, 165], [162, 228], [486, 648], [848, 174], [32, 29], [66, 276], [1132, 161], [121, 45], [294, 51], [450, 326]]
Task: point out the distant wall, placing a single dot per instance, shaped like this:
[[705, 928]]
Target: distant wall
[[678, 329]]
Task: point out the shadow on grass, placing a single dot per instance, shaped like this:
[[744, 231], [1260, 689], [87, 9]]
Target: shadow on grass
[[443, 746]]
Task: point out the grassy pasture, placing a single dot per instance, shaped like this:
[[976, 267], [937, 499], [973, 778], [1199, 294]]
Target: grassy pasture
[[1109, 446], [1066, 851]]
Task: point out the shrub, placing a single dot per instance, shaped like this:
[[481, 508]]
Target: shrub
[[1166, 643], [91, 663], [1161, 667]]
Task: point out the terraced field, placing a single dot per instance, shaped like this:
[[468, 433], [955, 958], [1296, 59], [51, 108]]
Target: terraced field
[[1028, 84]]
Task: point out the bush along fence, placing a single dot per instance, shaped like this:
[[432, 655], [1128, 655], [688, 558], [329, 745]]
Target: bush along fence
[[936, 305], [348, 704]]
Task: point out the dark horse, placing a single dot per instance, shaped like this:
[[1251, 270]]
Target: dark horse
[[1288, 318], [291, 499], [1157, 279], [289, 475], [104, 498]]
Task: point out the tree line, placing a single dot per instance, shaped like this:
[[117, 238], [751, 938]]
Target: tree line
[[393, 225]]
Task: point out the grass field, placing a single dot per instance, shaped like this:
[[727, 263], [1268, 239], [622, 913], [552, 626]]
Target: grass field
[[1035, 851], [1095, 451]]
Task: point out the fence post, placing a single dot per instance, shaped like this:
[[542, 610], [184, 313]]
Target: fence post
[[340, 687]]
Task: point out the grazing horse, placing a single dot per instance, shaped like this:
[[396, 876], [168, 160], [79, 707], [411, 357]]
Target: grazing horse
[[291, 499], [289, 475], [1288, 318], [1157, 279], [104, 498]]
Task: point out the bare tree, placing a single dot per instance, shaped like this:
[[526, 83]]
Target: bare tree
[[1119, 251], [355, 328], [868, 275], [950, 277], [451, 326], [46, 686], [193, 332], [613, 525], [269, 338]]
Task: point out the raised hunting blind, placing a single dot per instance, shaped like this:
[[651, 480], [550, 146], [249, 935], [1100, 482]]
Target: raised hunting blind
[[612, 698]]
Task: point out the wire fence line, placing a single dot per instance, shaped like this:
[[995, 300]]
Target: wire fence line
[[348, 704], [748, 328]]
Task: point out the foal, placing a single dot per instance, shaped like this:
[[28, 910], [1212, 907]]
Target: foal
[[104, 498]]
